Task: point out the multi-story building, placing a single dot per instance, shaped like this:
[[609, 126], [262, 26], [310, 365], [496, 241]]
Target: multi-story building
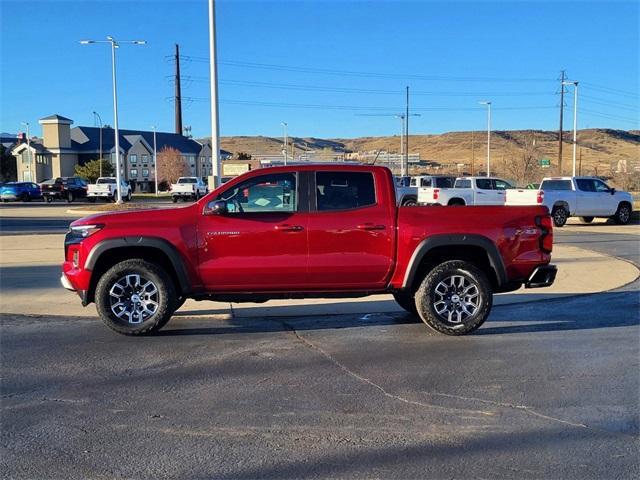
[[63, 147]]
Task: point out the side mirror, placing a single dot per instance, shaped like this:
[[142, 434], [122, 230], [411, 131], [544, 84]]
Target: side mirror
[[216, 207], [613, 191]]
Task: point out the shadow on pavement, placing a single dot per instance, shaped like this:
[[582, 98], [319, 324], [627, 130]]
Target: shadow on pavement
[[584, 312]]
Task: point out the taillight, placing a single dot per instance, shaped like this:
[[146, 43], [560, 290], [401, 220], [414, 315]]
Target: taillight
[[540, 197], [546, 238], [436, 192]]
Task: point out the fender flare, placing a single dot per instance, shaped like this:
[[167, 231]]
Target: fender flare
[[145, 242], [428, 244]]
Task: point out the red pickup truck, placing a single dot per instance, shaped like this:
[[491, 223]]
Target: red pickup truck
[[307, 231]]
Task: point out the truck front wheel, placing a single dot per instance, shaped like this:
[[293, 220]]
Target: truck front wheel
[[455, 298], [623, 214], [135, 297]]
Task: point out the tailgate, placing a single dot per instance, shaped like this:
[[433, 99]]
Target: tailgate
[[524, 196]]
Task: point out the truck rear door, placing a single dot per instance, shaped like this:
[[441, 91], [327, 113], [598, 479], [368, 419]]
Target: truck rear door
[[351, 230]]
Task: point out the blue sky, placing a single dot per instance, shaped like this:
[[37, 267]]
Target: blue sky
[[324, 67]]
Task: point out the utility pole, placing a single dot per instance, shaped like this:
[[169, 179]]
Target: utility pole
[[405, 163], [562, 77], [155, 161], [473, 153], [95, 114], [575, 121], [580, 168], [213, 70], [285, 142], [178, 95], [488, 104]]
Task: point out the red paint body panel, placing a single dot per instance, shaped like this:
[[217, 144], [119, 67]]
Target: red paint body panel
[[364, 249]]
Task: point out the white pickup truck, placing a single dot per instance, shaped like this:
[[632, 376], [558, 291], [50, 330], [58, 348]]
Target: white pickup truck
[[584, 197], [185, 188], [469, 191], [106, 188]]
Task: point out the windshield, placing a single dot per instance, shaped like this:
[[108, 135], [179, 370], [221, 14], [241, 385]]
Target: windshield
[[187, 180]]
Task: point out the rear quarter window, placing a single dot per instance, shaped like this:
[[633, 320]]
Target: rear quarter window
[[463, 183]]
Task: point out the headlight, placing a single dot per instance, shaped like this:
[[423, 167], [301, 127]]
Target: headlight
[[85, 231]]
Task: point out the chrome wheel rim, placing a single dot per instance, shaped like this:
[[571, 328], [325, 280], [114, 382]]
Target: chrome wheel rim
[[560, 215], [134, 299], [456, 299]]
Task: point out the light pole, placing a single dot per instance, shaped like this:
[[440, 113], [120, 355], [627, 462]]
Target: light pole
[[215, 120], [575, 121], [31, 164], [488, 104], [155, 161], [95, 114], [286, 142], [115, 44]]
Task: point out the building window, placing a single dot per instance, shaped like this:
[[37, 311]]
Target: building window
[[133, 158], [145, 172], [145, 158], [134, 172]]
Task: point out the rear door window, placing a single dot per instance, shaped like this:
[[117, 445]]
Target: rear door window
[[344, 190], [444, 182], [502, 184], [463, 183], [425, 182], [484, 184], [556, 185]]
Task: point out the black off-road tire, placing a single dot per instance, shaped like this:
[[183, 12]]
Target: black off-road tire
[[559, 216], [426, 297], [406, 301], [167, 297], [25, 197], [174, 199], [49, 198], [129, 196], [410, 202], [456, 202], [587, 219], [623, 214], [69, 197]]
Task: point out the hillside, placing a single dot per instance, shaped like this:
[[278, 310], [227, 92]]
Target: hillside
[[599, 148]]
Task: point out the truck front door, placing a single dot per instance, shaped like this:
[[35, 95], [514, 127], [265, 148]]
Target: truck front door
[[258, 242], [351, 231]]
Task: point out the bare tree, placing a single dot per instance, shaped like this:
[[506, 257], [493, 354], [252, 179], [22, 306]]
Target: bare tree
[[171, 165], [521, 165]]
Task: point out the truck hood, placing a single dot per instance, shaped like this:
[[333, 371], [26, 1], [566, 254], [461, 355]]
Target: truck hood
[[139, 217]]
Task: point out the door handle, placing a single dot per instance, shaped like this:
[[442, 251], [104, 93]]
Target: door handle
[[370, 226], [289, 228]]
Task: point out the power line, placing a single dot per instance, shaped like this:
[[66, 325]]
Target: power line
[[610, 90], [614, 105], [327, 71], [609, 116]]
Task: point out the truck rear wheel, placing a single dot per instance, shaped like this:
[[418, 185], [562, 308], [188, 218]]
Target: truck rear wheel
[[455, 298], [560, 216], [586, 219], [406, 301], [135, 297]]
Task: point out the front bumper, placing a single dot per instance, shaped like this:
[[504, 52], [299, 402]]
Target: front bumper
[[66, 283], [542, 276]]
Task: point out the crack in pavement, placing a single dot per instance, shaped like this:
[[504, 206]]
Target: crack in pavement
[[520, 408]]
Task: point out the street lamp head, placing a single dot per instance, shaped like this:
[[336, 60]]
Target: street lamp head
[[485, 103], [140, 42], [86, 42], [24, 123], [110, 38]]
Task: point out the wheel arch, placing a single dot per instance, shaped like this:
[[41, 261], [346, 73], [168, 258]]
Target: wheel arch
[[476, 249], [456, 201], [156, 250]]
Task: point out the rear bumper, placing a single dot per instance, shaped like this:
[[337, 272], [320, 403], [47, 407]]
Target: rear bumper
[[542, 276]]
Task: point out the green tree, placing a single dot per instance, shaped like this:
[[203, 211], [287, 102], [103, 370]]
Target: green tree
[[91, 170], [8, 171]]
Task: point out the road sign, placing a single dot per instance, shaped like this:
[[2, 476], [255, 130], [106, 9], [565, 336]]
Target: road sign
[[544, 163]]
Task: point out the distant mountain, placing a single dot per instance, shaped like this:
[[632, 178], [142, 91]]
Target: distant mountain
[[600, 148]]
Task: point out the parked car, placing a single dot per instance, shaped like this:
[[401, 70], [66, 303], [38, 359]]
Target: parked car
[[472, 191], [306, 231], [107, 188], [64, 188], [188, 188], [22, 191], [431, 186], [584, 197]]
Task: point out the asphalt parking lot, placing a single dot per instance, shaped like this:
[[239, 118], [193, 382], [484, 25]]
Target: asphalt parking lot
[[545, 389]]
